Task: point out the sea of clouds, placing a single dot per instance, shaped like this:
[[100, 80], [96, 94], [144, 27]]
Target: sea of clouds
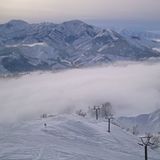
[[131, 87]]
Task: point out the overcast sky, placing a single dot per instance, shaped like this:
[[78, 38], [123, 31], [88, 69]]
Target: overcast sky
[[89, 10]]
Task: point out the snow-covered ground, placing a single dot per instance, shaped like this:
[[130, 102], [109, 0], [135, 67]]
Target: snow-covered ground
[[68, 137], [145, 123], [156, 40], [156, 49], [28, 45]]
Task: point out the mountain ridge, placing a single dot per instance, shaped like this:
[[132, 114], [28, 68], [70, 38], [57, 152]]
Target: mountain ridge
[[72, 44], [144, 123]]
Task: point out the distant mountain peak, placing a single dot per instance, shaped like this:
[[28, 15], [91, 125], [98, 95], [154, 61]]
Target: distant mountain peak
[[76, 21], [17, 22]]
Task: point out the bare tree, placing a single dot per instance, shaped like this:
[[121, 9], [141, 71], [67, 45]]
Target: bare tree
[[156, 141], [106, 110], [101, 111], [135, 130], [81, 113], [44, 115], [107, 113]]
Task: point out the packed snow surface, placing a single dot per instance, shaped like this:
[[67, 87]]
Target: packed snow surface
[[68, 137]]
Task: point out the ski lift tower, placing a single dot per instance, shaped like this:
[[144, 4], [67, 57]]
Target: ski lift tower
[[109, 118], [97, 109], [146, 141]]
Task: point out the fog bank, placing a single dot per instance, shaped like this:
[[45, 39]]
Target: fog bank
[[131, 88]]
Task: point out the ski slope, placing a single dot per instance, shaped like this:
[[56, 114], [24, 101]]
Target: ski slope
[[68, 137]]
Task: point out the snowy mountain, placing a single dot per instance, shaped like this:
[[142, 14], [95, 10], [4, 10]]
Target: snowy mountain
[[149, 39], [145, 123], [68, 137], [46, 46]]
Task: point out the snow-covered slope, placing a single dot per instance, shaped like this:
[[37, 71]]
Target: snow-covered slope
[[68, 137], [43, 46], [145, 123], [142, 39]]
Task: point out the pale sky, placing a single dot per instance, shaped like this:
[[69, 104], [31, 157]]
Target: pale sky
[[62, 10]]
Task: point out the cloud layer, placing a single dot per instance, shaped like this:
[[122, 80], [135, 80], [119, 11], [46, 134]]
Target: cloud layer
[[131, 88]]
